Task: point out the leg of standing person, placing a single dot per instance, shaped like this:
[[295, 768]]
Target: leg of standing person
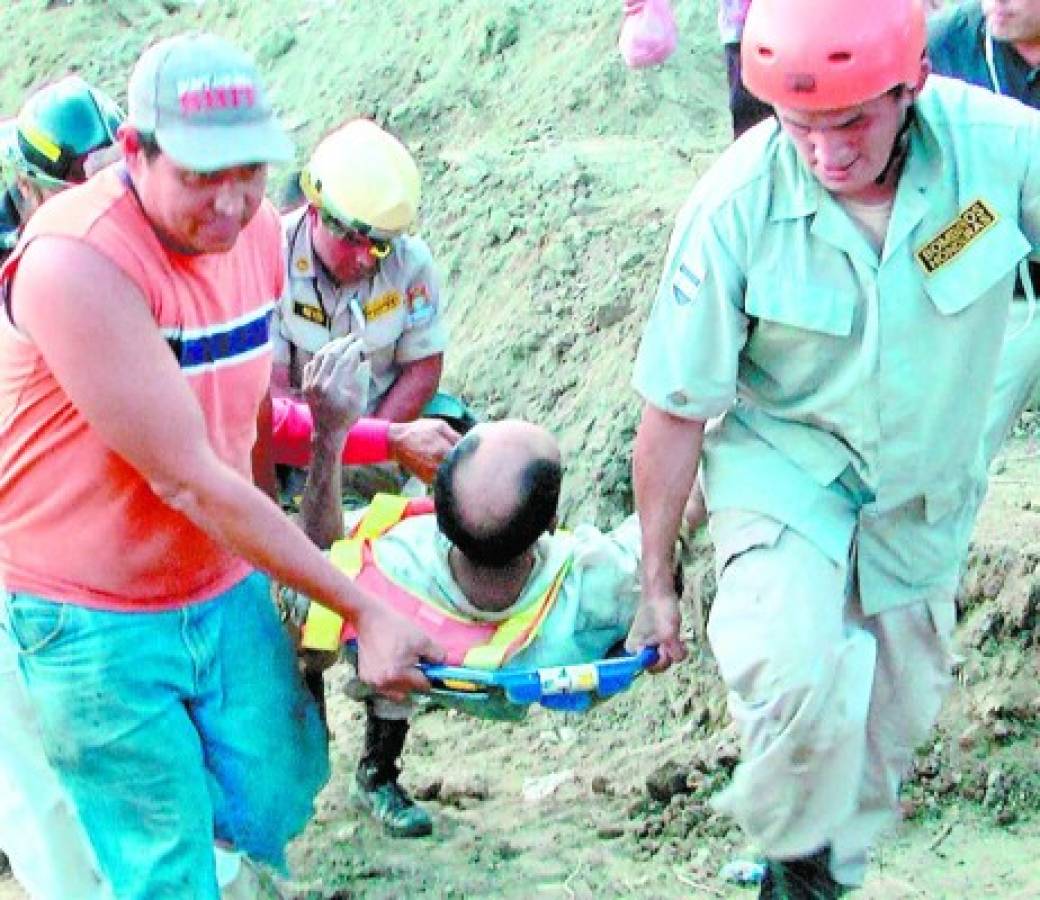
[[263, 738], [830, 703], [160, 724], [799, 682], [376, 788], [48, 851], [911, 678]]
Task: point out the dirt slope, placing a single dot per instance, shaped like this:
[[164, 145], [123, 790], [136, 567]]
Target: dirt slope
[[552, 172], [551, 177]]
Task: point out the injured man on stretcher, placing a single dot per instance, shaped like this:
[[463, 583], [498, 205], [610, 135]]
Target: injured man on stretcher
[[481, 566]]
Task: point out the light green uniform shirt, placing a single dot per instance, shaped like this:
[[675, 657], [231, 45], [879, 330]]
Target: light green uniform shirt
[[592, 612], [855, 386]]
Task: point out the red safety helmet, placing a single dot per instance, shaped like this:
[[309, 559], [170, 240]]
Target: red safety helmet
[[830, 54]]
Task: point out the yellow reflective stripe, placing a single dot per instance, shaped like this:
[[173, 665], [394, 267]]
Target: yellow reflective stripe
[[322, 629], [517, 632], [40, 141], [383, 513], [345, 555]]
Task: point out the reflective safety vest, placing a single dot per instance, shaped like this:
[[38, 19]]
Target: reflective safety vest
[[480, 645]]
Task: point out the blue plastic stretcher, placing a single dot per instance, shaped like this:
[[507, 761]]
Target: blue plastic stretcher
[[572, 688]]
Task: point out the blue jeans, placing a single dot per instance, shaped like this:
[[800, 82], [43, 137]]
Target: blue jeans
[[170, 729], [39, 829]]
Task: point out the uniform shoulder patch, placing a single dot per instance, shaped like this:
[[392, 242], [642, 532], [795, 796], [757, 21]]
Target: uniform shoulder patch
[[313, 314], [685, 284], [971, 222], [418, 293], [421, 307]]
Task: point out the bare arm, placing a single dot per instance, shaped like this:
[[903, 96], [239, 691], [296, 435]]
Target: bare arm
[[144, 410], [412, 390], [664, 465], [321, 510], [419, 446], [335, 397]]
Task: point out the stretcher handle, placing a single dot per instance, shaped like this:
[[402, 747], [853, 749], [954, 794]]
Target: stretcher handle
[[450, 679], [492, 678]]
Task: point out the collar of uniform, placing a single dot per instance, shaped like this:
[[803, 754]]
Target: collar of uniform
[[795, 193], [923, 165], [300, 251]]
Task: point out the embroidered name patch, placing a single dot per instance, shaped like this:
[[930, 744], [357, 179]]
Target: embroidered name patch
[[382, 305], [313, 314], [972, 221]]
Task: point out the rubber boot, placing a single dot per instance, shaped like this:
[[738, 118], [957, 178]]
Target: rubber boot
[[805, 878], [375, 784]]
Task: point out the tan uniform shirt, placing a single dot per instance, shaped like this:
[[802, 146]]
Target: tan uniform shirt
[[399, 311]]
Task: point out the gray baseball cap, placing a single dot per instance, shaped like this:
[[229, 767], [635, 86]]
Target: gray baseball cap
[[203, 100]]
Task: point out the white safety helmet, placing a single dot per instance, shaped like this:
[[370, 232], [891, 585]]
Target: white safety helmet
[[365, 179]]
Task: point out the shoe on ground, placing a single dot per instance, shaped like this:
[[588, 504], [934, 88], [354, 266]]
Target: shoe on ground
[[389, 804], [805, 878]]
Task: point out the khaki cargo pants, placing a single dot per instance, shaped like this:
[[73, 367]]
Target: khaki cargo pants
[[831, 704]]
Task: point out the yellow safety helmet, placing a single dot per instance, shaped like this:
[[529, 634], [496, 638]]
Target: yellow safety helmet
[[365, 178]]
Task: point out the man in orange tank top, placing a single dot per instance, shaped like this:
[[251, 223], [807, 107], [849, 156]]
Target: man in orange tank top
[[169, 702]]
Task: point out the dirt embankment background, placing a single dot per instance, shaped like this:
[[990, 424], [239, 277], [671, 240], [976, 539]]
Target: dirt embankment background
[[551, 177]]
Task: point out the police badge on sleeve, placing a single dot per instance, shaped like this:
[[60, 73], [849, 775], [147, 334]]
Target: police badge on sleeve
[[421, 307]]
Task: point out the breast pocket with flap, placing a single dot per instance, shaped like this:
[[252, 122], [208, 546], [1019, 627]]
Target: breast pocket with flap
[[970, 257]]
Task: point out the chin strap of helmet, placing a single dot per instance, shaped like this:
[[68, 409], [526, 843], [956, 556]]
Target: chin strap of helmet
[[900, 146]]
